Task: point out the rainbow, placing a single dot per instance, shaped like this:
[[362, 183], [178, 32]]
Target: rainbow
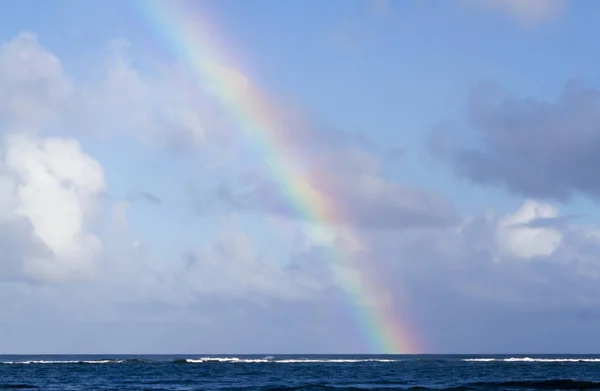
[[187, 37]]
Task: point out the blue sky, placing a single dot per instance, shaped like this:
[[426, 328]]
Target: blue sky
[[459, 137]]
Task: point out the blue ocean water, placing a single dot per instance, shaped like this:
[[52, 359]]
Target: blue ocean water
[[388, 372]]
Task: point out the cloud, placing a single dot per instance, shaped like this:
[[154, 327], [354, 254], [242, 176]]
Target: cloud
[[49, 187], [53, 186], [159, 110], [53, 189], [535, 148], [347, 178], [485, 274], [114, 100], [528, 12], [471, 279], [146, 197], [528, 242], [232, 266], [493, 260], [34, 86]]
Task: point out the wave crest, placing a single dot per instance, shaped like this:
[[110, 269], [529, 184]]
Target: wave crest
[[530, 359], [207, 360], [270, 359], [63, 362]]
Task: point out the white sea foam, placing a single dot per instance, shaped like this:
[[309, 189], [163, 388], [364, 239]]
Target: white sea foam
[[64, 362], [199, 360], [281, 361], [224, 359], [530, 359]]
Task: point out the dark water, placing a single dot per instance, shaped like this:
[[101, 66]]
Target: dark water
[[300, 372]]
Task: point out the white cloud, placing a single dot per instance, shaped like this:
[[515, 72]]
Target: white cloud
[[517, 239], [233, 266], [484, 258], [34, 87], [160, 110], [49, 187], [529, 12], [55, 186], [161, 107]]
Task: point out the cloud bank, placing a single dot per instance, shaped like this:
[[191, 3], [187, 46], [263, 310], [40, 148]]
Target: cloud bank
[[76, 261]]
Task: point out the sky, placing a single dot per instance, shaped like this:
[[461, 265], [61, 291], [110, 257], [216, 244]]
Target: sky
[[349, 176]]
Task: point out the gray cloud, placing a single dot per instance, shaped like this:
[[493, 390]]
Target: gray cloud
[[531, 147], [392, 209], [18, 243], [146, 197], [395, 154], [347, 178]]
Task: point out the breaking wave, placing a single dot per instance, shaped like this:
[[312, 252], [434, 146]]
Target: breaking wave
[[296, 361], [203, 360], [530, 359], [270, 359], [107, 361], [289, 360], [220, 359]]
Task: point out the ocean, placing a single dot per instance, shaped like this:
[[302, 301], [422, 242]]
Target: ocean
[[300, 372]]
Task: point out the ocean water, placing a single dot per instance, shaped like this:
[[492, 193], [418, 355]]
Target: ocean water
[[278, 372]]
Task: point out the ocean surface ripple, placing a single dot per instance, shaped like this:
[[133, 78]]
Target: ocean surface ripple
[[307, 372]]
